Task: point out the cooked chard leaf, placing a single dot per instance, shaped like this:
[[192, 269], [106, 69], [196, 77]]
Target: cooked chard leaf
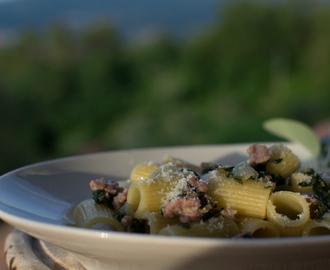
[[268, 186], [139, 225], [306, 184], [184, 225], [248, 236], [207, 201], [321, 189], [227, 170], [238, 179], [120, 213], [99, 196], [309, 171], [183, 192], [190, 170], [320, 211], [103, 197], [278, 180], [210, 214], [276, 161]]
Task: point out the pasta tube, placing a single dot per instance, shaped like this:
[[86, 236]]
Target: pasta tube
[[214, 227], [258, 228], [181, 163], [142, 171], [289, 211], [148, 195], [283, 162], [248, 198], [317, 228], [156, 221], [296, 179], [88, 213]]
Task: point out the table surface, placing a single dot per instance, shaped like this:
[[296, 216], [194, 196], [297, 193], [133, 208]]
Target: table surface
[[5, 229], [24, 252]]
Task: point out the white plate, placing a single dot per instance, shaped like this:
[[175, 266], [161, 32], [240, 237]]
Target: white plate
[[37, 199]]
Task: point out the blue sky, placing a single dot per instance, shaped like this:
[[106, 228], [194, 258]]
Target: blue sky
[[5, 1]]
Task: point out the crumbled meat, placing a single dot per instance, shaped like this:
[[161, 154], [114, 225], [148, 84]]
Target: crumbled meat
[[229, 213], [198, 184], [128, 223], [189, 209], [113, 191], [259, 154], [108, 186], [192, 203], [120, 199]]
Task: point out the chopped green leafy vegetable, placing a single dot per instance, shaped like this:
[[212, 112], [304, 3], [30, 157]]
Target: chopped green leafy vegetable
[[120, 213], [322, 191], [247, 235], [210, 214], [238, 179], [99, 196], [309, 171], [103, 197], [184, 225], [227, 170], [320, 211], [277, 160], [139, 225]]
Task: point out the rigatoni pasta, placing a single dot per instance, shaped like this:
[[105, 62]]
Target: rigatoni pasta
[[88, 213], [289, 212], [248, 198], [156, 221], [214, 227], [143, 170], [283, 162], [316, 228], [266, 195], [258, 228], [148, 195]]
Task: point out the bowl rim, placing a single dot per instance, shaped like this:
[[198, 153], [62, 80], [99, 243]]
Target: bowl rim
[[149, 239]]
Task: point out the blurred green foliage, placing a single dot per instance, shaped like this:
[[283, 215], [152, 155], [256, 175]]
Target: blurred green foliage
[[63, 94]]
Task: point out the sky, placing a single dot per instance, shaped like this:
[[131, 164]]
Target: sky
[[2, 1]]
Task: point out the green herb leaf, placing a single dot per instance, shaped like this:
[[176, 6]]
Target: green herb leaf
[[294, 131]]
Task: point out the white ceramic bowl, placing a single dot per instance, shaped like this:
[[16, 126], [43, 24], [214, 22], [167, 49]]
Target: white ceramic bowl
[[38, 199]]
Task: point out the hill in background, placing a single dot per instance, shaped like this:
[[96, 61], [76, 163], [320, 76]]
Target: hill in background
[[180, 18]]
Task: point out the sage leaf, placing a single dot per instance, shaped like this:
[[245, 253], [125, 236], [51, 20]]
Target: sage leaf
[[294, 131]]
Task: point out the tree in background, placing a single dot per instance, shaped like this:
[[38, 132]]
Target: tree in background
[[63, 94]]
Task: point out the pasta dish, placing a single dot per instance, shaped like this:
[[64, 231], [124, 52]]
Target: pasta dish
[[268, 195]]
